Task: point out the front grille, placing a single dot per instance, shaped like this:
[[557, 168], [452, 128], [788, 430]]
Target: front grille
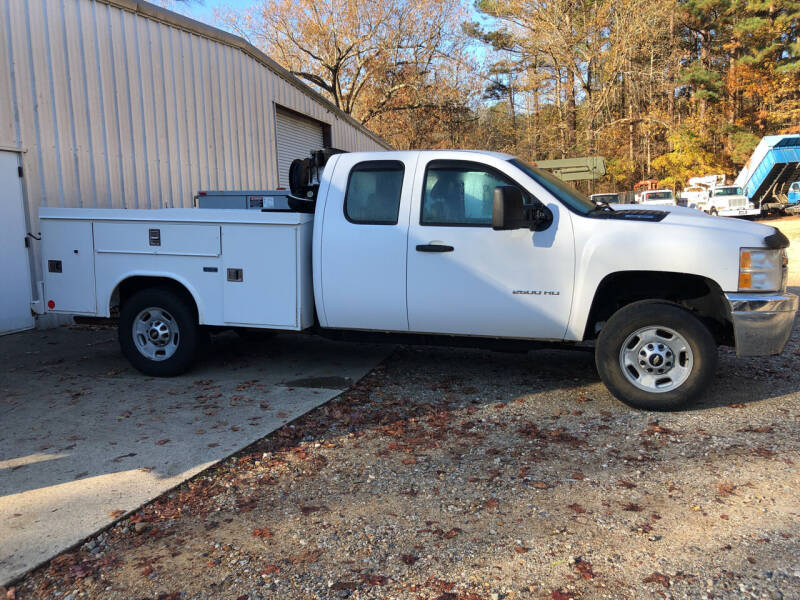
[[738, 202]]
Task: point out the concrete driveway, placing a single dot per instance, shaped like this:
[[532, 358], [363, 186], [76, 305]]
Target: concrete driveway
[[85, 438]]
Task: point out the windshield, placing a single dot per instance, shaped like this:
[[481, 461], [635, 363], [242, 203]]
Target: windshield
[[659, 195], [728, 191], [572, 198], [604, 197]]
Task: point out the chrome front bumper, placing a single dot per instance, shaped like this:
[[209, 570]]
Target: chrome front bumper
[[762, 323]]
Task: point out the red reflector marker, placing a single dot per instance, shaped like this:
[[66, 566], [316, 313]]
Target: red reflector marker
[[51, 305]]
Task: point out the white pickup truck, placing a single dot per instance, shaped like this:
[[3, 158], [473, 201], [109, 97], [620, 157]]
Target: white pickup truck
[[445, 247]]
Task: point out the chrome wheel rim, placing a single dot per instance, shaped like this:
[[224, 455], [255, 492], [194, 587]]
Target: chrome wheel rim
[[656, 359], [156, 333]]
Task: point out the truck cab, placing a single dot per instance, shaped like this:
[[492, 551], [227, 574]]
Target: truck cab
[[657, 197], [794, 194], [605, 198]]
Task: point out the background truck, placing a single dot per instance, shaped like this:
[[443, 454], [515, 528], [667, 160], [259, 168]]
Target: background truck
[[728, 201], [769, 173], [694, 196], [657, 197], [445, 247]]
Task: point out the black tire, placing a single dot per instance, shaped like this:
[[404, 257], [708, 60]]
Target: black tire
[[659, 315], [182, 325]]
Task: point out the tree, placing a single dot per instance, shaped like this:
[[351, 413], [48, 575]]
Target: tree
[[370, 58]]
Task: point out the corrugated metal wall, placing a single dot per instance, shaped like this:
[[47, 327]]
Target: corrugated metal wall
[[114, 109]]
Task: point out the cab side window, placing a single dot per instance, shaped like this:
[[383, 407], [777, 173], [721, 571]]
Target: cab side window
[[459, 194], [373, 192]]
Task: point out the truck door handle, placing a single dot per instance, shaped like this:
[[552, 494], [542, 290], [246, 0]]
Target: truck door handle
[[434, 248]]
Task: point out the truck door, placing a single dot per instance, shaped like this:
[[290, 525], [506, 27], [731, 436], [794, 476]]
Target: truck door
[[15, 272], [360, 261], [466, 278]]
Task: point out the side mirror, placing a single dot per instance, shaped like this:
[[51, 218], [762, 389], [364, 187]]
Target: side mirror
[[509, 211]]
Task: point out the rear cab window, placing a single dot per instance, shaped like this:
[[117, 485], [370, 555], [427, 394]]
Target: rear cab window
[[373, 192]]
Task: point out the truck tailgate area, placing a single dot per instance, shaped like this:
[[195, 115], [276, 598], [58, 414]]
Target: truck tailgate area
[[242, 267]]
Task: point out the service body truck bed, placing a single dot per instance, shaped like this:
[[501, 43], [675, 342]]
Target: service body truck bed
[[242, 267]]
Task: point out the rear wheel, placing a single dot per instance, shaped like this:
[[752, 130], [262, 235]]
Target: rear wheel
[[655, 355], [158, 332]]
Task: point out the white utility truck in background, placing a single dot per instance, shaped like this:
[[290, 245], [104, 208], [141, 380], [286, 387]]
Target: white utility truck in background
[[656, 197], [728, 201], [443, 247]]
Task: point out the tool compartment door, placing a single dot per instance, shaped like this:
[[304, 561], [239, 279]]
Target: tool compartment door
[[260, 276], [68, 266]]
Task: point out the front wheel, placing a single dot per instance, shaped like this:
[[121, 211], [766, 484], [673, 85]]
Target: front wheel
[[655, 355], [158, 332]]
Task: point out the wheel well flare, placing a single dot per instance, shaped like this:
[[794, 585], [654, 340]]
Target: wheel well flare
[[701, 295]]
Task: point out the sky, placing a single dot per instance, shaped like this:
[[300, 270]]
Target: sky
[[203, 10]]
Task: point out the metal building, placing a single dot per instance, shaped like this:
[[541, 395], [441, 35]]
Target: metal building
[[122, 104]]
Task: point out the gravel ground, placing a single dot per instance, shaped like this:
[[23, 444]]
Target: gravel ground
[[790, 226], [465, 475]]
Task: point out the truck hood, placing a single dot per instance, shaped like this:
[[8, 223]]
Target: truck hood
[[691, 217]]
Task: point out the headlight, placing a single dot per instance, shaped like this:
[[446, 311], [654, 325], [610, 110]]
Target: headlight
[[761, 269]]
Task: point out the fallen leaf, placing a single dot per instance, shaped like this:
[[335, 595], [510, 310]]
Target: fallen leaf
[[116, 514], [521, 549], [559, 595], [632, 507], [270, 569], [577, 508], [162, 442], [262, 533], [540, 485], [657, 578], [725, 489], [309, 556], [584, 568], [374, 579], [452, 533], [147, 571]]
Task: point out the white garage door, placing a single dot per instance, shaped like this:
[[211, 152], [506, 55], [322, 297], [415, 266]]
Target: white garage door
[[296, 138], [15, 274]]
